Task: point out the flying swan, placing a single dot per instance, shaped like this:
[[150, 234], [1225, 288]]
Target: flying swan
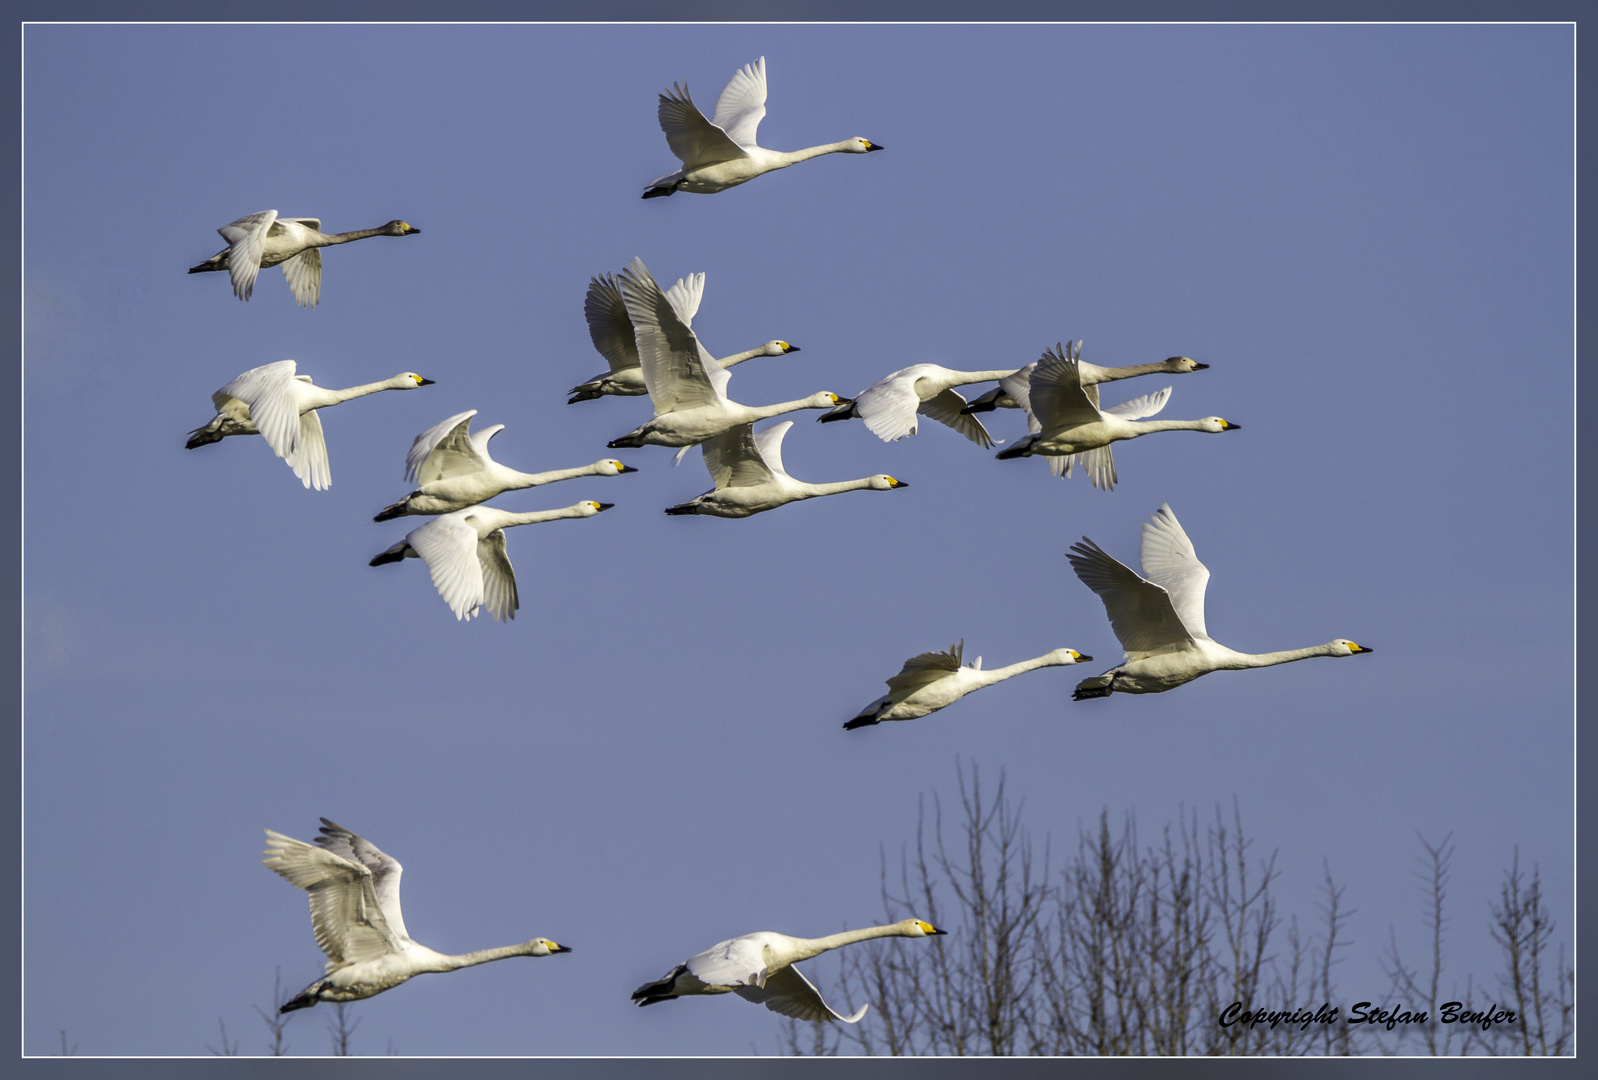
[[611, 330], [933, 680], [280, 406], [720, 153], [1067, 419], [1159, 618], [747, 469], [265, 239], [1003, 395], [355, 911], [453, 470], [465, 554], [686, 385], [889, 405], [758, 967]]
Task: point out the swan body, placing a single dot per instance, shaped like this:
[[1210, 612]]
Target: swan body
[[465, 554], [687, 387], [355, 911], [453, 470], [279, 405], [759, 967], [750, 479], [1003, 396], [720, 153], [934, 680], [1068, 419], [295, 244], [1159, 617], [890, 406], [612, 332]]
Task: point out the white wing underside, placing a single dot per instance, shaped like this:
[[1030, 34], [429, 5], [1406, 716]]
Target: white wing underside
[[924, 669], [1169, 561], [735, 459], [695, 141], [678, 372], [1141, 612], [304, 274], [385, 869], [788, 992], [345, 914], [271, 392], [246, 240], [742, 104], [448, 545], [444, 450], [499, 577]]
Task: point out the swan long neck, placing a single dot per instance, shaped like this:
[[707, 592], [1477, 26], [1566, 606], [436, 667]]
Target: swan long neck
[[808, 947], [793, 157], [1271, 659], [533, 517], [483, 956], [1146, 426], [965, 377], [738, 358], [351, 392], [1092, 373], [1001, 673], [837, 486], [329, 239], [527, 480], [765, 412]]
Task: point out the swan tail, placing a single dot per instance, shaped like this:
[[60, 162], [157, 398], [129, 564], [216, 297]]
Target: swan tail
[[839, 412], [586, 392], [204, 436], [627, 442], [215, 262], [1020, 449], [393, 554], [393, 510], [986, 403], [661, 989], [683, 508], [303, 1000], [863, 720], [1098, 686], [659, 191]]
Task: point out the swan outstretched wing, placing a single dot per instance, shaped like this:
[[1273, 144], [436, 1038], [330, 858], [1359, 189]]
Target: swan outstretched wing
[[945, 408], [733, 458], [609, 328], [444, 450], [1057, 397], [449, 547], [385, 869], [694, 140], [738, 962], [274, 402], [1169, 561], [889, 406], [1018, 385], [788, 992], [678, 372], [685, 296], [1141, 612], [348, 921], [924, 669], [769, 443], [499, 577], [742, 104], [246, 240], [1098, 463], [1140, 408], [308, 459], [304, 275]]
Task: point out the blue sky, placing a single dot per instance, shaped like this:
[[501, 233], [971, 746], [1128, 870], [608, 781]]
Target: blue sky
[[1366, 231]]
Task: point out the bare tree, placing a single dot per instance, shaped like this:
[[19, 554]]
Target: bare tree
[[342, 1028], [228, 1049], [276, 1020], [65, 1052]]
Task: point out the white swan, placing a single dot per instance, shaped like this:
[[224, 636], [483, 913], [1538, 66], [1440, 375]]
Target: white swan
[[612, 332], [1069, 421], [720, 153], [749, 476], [686, 385], [933, 680], [1003, 395], [889, 405], [453, 470], [355, 911], [1159, 619], [758, 967], [465, 554], [265, 239], [280, 406]]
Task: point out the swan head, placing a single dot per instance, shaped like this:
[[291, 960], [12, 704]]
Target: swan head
[[825, 400], [918, 928], [884, 482], [858, 145], [1344, 647], [1184, 364], [1068, 656], [542, 946], [400, 228], [611, 467], [589, 509], [1216, 424], [409, 380], [778, 348]]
